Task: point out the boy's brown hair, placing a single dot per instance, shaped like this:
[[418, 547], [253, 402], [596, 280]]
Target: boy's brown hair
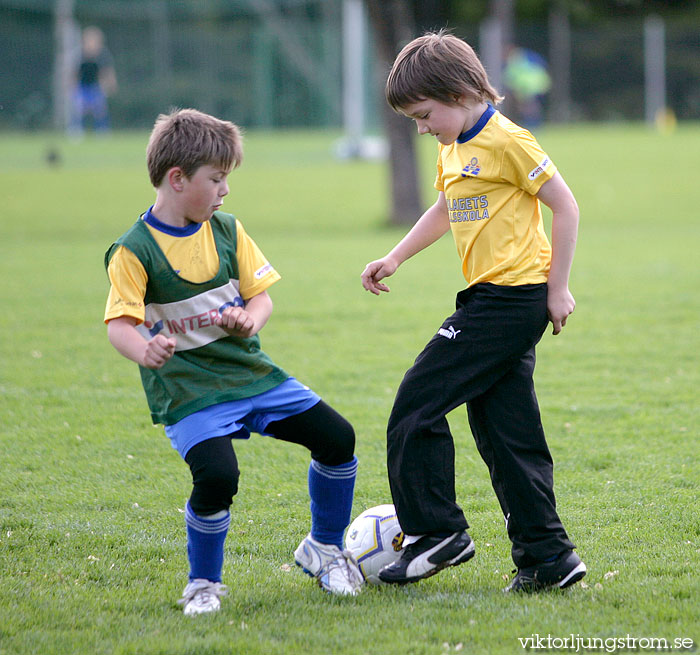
[[190, 139], [438, 66]]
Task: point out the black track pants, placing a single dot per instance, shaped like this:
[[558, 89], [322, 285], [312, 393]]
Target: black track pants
[[484, 356]]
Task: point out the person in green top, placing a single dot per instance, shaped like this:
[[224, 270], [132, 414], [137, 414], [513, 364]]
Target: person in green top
[[187, 301]]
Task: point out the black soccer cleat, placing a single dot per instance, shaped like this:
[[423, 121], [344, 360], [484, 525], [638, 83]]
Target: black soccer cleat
[[427, 556], [564, 571]]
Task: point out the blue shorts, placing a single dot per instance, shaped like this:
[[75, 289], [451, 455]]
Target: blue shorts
[[243, 416]]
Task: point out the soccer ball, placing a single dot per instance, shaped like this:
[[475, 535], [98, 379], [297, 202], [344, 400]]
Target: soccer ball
[[374, 538]]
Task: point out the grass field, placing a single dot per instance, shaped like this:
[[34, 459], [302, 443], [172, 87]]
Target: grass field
[[92, 540]]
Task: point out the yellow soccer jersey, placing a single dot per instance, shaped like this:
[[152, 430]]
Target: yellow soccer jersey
[[193, 256], [490, 176]]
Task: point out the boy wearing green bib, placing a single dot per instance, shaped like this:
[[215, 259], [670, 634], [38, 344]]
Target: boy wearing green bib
[[187, 301]]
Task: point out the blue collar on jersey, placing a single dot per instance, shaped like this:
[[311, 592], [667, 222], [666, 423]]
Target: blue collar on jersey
[[173, 231], [473, 131]]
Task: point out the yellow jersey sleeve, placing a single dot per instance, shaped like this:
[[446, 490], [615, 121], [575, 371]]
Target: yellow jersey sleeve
[[255, 273], [128, 280], [525, 165], [438, 178]]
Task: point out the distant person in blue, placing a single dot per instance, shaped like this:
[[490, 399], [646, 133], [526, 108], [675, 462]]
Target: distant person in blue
[[525, 76], [95, 81]]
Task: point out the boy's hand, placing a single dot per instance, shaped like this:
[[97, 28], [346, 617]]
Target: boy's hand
[[237, 322], [158, 351], [375, 271], [560, 304]]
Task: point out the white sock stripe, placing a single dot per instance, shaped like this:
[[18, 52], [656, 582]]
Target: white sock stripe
[[342, 472], [201, 524], [208, 527]]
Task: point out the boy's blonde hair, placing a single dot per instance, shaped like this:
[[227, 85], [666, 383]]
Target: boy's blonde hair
[[437, 66], [190, 139]]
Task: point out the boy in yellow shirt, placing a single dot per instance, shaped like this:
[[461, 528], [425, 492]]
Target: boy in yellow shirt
[[491, 177]]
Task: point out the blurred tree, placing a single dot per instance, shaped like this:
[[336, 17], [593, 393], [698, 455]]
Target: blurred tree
[[394, 25], [560, 62]]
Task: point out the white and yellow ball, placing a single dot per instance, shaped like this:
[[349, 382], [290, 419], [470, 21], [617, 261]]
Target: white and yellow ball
[[375, 538]]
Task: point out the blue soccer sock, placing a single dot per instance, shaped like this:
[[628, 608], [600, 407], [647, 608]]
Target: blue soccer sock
[[205, 543], [331, 490]]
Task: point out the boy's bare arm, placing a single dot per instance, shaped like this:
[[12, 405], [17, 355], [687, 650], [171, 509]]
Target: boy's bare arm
[[565, 215], [126, 339], [427, 230], [249, 320]]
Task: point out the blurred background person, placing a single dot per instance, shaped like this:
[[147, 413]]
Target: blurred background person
[[525, 76], [95, 80]]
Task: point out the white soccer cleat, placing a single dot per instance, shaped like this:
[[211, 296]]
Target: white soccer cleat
[[336, 570], [202, 596]]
